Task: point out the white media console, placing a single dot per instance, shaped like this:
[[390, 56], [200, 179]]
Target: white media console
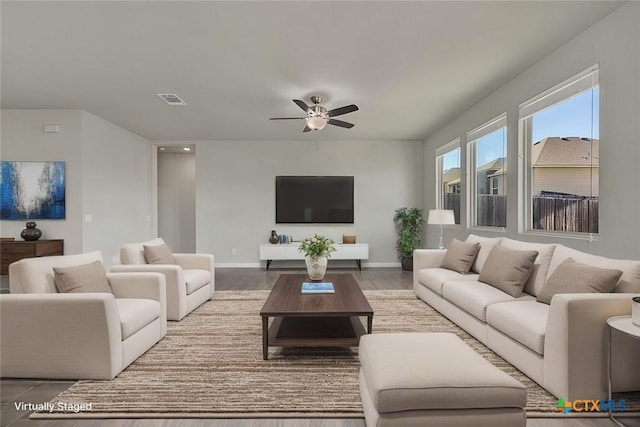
[[289, 251]]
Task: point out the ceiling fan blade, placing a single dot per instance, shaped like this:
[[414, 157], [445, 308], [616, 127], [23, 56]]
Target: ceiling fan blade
[[342, 110], [340, 123], [302, 105], [287, 118], [306, 129]]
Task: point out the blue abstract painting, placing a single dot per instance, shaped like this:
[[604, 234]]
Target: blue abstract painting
[[32, 190]]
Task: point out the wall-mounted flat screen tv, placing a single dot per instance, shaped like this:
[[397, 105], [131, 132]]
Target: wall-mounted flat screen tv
[[314, 199]]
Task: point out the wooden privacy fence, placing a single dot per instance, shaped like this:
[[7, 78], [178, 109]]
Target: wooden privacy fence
[[578, 215], [492, 210]]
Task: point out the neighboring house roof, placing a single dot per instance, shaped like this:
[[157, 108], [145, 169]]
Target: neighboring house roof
[[451, 175], [566, 152], [493, 165], [494, 168]]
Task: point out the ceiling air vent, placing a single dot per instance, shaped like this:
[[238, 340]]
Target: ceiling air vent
[[171, 99]]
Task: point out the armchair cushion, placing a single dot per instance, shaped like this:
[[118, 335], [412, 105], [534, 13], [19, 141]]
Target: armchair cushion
[[133, 253], [196, 279], [158, 254], [82, 278], [135, 314], [35, 275]]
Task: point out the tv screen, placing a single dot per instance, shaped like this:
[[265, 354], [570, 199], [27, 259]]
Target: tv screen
[[314, 199]]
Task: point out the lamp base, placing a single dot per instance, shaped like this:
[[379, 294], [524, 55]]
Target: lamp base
[[440, 243]]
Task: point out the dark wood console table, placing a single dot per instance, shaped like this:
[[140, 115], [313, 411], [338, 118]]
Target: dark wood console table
[[17, 250]]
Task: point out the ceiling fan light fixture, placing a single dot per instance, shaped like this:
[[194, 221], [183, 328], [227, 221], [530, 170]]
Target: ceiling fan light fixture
[[316, 122]]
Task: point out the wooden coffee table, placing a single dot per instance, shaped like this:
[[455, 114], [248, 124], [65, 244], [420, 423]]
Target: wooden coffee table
[[314, 320]]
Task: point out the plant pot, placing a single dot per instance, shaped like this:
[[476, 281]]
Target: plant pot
[[407, 264], [316, 267]]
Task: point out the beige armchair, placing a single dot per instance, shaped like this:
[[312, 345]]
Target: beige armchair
[[46, 334], [190, 282]]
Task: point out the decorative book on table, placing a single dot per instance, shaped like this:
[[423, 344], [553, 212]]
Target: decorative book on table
[[317, 288]]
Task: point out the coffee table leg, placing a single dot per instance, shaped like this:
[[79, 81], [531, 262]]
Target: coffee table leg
[[265, 337], [369, 324]]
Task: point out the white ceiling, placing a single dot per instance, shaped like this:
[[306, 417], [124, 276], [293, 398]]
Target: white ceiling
[[409, 66]]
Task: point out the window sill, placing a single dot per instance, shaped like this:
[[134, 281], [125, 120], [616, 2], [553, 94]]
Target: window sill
[[560, 235]]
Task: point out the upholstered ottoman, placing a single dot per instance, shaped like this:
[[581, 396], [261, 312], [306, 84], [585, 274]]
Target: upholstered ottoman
[[434, 379]]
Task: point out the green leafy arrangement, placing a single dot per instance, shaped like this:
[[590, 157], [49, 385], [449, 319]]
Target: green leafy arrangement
[[408, 223], [317, 246]]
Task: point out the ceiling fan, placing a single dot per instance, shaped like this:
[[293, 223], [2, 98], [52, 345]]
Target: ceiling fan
[[318, 116]]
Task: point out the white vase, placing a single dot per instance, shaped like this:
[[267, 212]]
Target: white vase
[[316, 267]]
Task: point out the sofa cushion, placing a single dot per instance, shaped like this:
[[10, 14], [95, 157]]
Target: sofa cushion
[[629, 281], [432, 371], [508, 269], [196, 279], [475, 297], [486, 244], [158, 254], [460, 256], [136, 313], [538, 276], [433, 278], [573, 277], [523, 321], [133, 253], [90, 277]]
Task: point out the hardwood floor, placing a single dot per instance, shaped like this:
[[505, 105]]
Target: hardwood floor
[[35, 391]]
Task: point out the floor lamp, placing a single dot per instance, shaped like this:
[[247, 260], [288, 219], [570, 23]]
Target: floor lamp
[[441, 217]]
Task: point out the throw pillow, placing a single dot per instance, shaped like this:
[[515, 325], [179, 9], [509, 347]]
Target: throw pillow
[[82, 278], [508, 269], [159, 254], [460, 256], [572, 277]]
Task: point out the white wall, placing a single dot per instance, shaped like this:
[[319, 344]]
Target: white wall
[[235, 192], [614, 43], [24, 139], [177, 200], [116, 183], [107, 176]]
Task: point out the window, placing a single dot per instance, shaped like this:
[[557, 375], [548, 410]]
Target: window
[[487, 163], [559, 131], [448, 178]]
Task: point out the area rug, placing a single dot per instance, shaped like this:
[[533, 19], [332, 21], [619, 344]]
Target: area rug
[[210, 365]]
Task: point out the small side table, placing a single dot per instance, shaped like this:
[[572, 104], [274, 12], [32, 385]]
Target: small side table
[[624, 325]]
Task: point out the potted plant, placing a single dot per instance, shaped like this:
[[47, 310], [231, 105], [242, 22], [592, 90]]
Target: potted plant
[[316, 250], [408, 223]]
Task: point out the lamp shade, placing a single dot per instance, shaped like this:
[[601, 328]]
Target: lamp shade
[[316, 122], [440, 217]]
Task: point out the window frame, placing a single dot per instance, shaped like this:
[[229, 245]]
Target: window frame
[[573, 86], [487, 128], [439, 169]]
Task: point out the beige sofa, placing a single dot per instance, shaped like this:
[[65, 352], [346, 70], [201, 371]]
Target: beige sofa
[[562, 346], [46, 334], [190, 282]]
